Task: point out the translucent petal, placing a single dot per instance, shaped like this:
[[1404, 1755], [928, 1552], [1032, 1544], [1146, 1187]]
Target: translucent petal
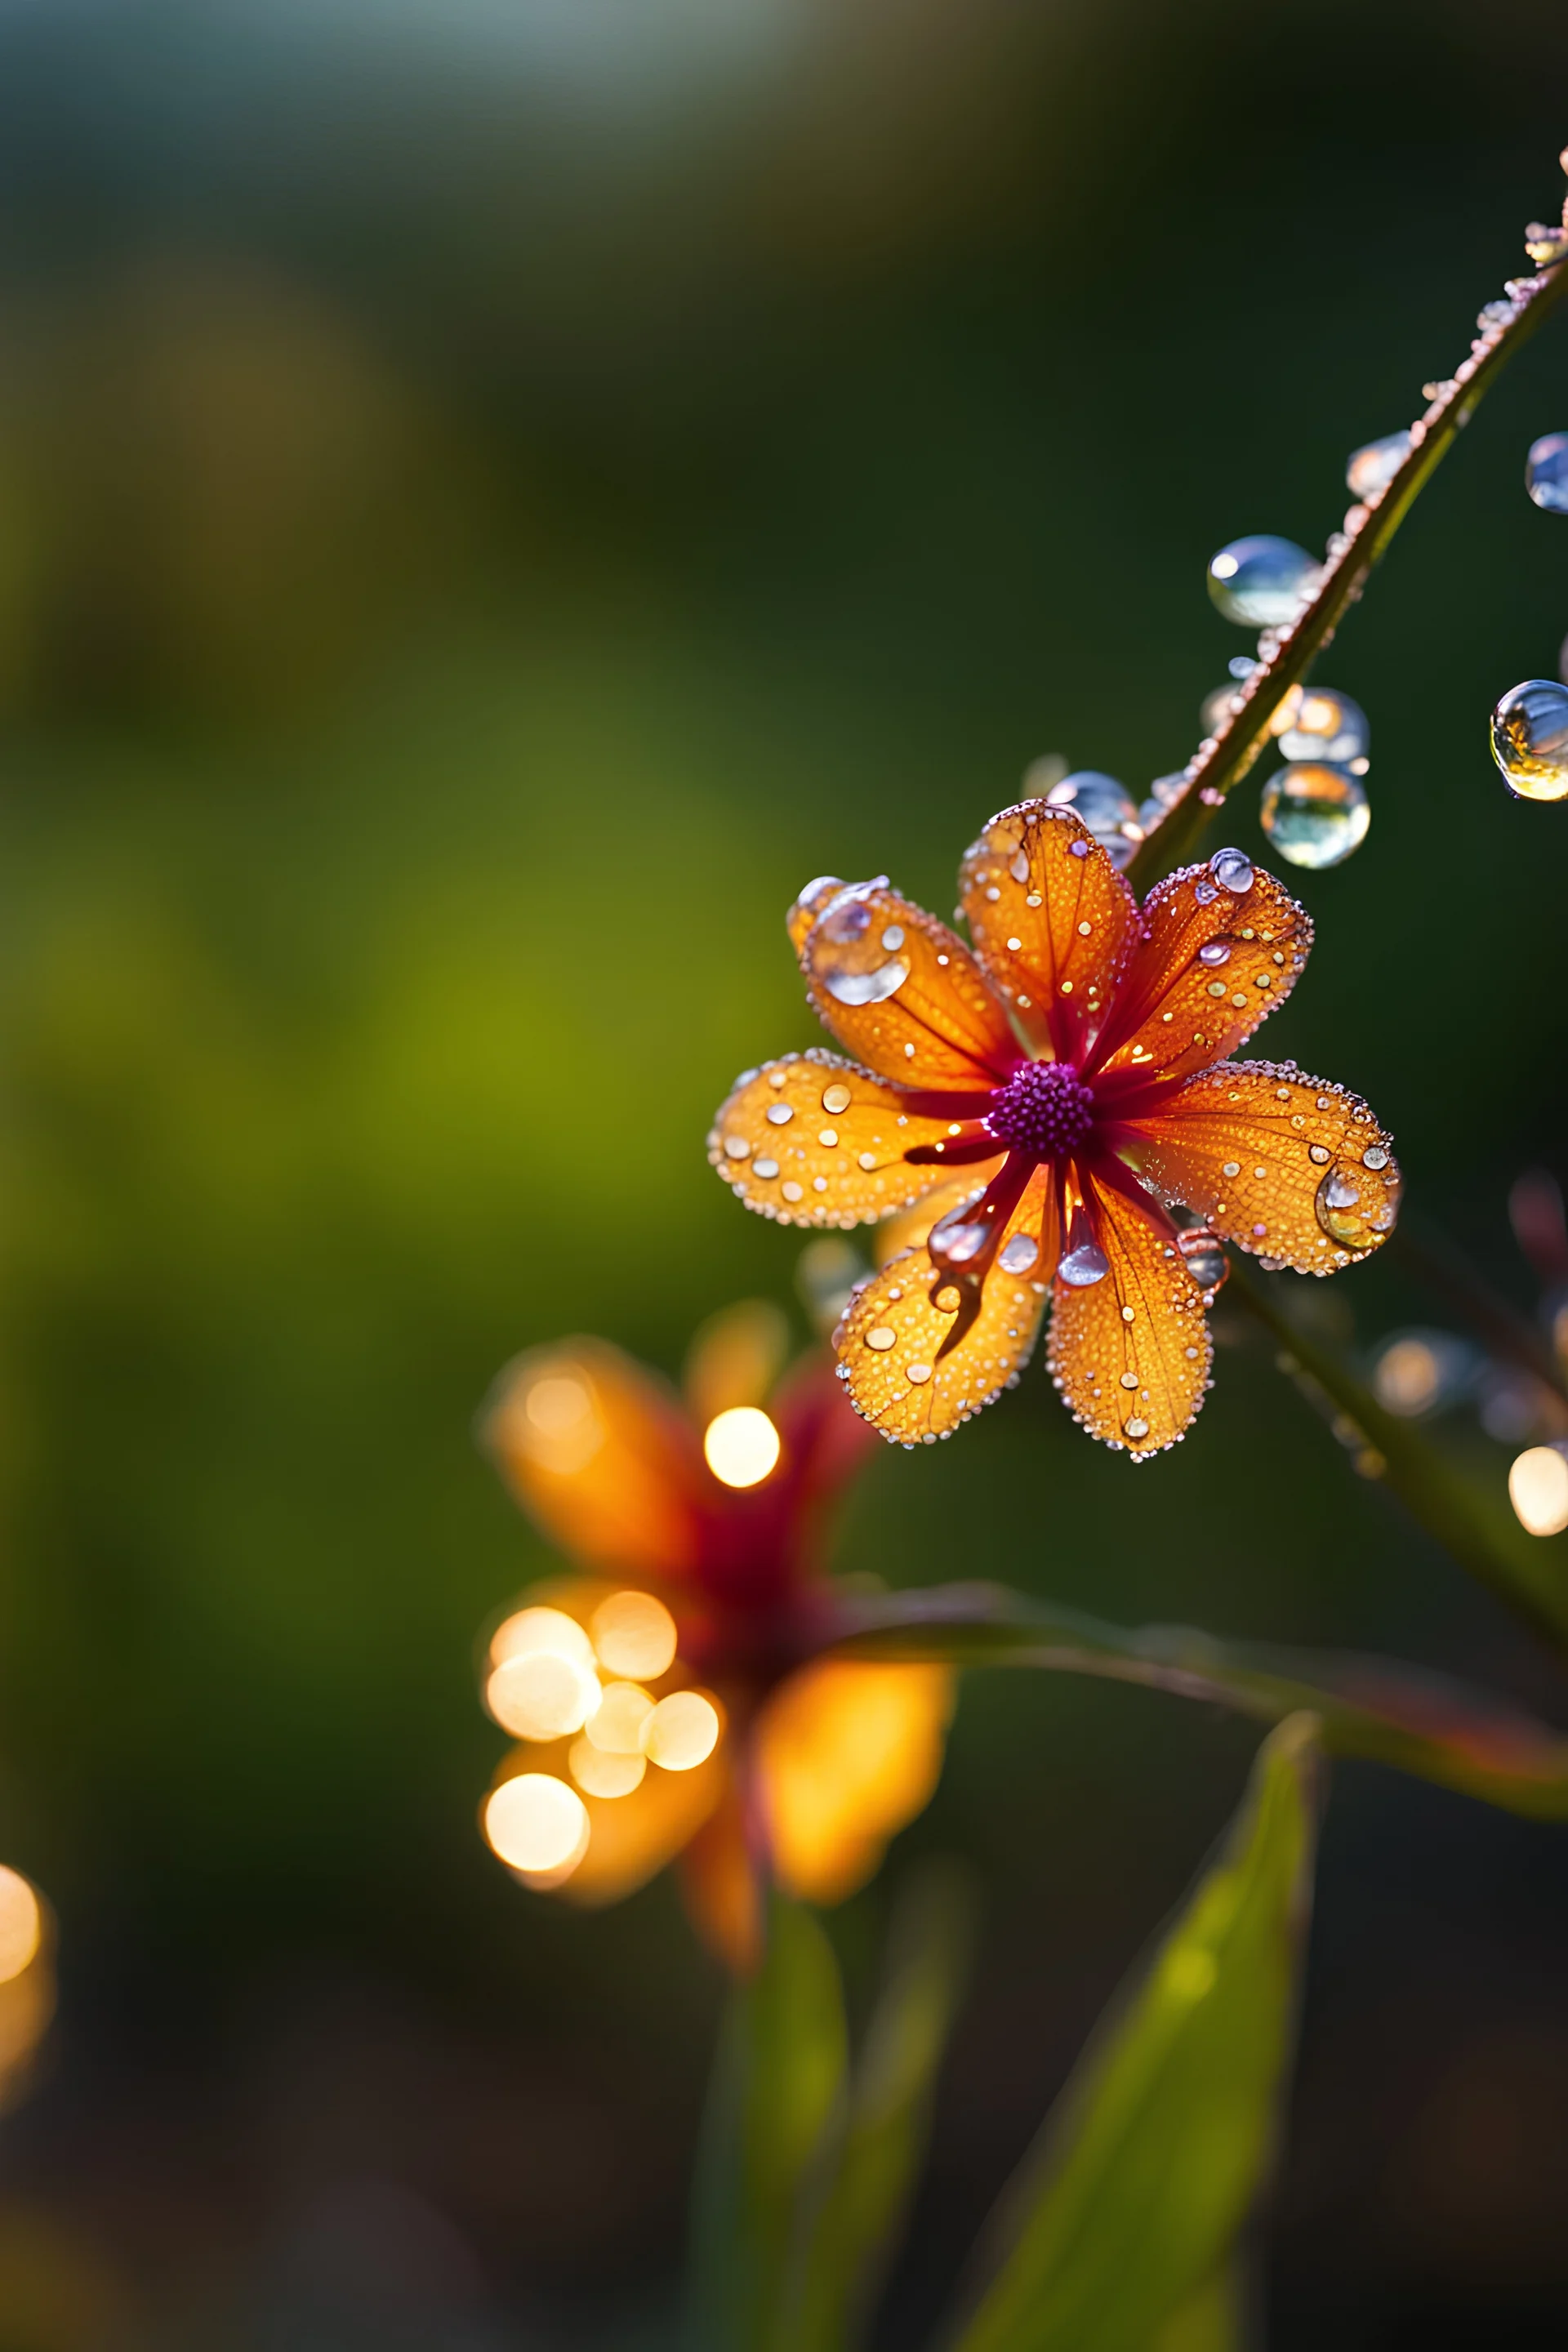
[[600, 1454], [889, 1342], [846, 1753], [1052, 920], [903, 992], [1277, 1162], [1216, 956], [767, 1141], [1131, 1353]]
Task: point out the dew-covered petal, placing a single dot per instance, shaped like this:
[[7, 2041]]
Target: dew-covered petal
[[903, 992], [810, 1140], [1222, 945], [1290, 1167], [600, 1454], [908, 1228], [1130, 1352], [846, 1752], [630, 1838], [889, 1342], [1052, 920]]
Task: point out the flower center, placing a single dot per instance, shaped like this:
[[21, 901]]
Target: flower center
[[1044, 1107]]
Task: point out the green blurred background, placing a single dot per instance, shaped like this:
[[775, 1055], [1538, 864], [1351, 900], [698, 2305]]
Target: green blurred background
[[493, 497]]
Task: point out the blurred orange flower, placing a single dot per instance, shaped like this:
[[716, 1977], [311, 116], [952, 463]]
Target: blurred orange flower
[[1039, 1107], [673, 1700]]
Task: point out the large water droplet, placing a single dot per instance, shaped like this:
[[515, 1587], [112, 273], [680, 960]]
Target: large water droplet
[[1204, 1260], [1530, 739], [1546, 472], [1106, 807], [956, 1240], [1019, 1254], [1232, 869], [1084, 1265], [1314, 723], [1262, 582], [867, 987], [1373, 467], [1315, 815]]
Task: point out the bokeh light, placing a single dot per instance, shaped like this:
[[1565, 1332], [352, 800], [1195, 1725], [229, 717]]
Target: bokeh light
[[634, 1635], [21, 1924], [536, 1824], [682, 1731], [1538, 1489], [618, 1723], [541, 1696], [742, 1445], [603, 1774], [555, 1421], [530, 1629]]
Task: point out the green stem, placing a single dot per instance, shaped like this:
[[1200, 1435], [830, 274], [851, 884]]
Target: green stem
[[1527, 1572], [1226, 756], [1511, 1338]]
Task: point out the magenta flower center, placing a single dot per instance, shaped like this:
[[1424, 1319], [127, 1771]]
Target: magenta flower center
[[1043, 1109]]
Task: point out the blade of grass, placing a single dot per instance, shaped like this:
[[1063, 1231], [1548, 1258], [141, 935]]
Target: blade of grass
[[1120, 2222], [856, 2204], [778, 2081]]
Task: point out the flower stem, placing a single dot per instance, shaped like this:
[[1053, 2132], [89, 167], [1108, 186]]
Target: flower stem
[[1528, 1573], [1226, 757]]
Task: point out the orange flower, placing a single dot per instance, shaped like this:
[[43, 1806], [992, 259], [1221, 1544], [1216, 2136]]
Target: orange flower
[[1072, 1068], [674, 1700]]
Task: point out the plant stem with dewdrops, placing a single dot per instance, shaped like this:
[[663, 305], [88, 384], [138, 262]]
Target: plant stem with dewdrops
[[1223, 758], [1531, 1577]]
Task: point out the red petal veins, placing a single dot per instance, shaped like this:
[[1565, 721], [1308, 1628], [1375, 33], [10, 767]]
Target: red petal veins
[[904, 994], [1052, 920], [1213, 961], [1295, 1169]]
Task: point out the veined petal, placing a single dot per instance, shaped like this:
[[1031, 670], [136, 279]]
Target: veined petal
[[811, 1140], [846, 1752], [890, 1343], [600, 1456], [1131, 1353], [1052, 921], [903, 992], [909, 1229], [1222, 945], [1292, 1169]]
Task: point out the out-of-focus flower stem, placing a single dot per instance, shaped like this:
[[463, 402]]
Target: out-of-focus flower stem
[[1509, 1336], [1528, 1573], [1216, 771]]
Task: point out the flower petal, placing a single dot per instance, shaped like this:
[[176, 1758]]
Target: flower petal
[[810, 1140], [600, 1456], [1131, 1353], [890, 1343], [846, 1752], [1277, 1162], [1222, 945], [719, 1886], [1052, 921], [909, 1229], [903, 992]]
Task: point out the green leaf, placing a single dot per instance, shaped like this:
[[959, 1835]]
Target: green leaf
[[858, 2199], [1129, 2209], [1211, 2322], [778, 2084], [1369, 1707]]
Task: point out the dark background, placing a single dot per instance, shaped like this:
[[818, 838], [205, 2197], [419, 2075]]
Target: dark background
[[493, 497]]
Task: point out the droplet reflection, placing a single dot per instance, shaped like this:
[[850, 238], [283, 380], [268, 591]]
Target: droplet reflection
[[1530, 739], [1315, 815]]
